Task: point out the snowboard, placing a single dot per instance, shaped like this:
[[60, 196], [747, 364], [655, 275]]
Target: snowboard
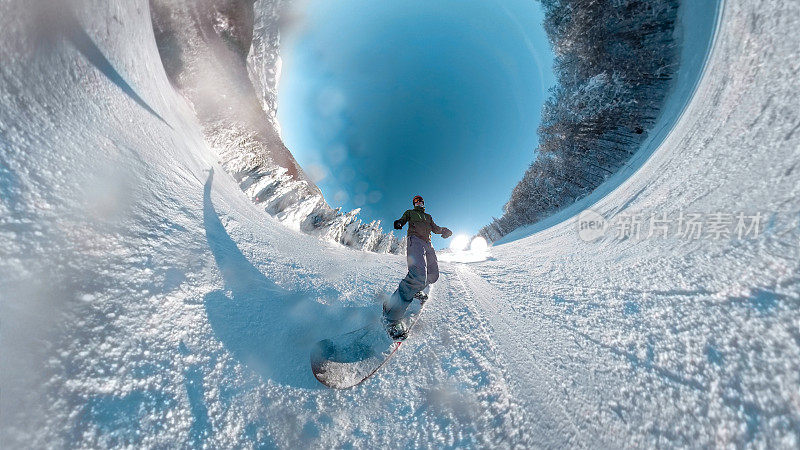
[[346, 360]]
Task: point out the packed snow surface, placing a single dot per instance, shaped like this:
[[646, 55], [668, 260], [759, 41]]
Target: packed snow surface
[[146, 301]]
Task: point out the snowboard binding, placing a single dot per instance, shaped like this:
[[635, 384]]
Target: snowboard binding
[[397, 330], [421, 296]]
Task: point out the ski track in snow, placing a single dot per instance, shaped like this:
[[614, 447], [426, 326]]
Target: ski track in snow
[[146, 302]]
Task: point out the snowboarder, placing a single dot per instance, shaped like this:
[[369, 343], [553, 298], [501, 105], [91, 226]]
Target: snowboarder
[[423, 268]]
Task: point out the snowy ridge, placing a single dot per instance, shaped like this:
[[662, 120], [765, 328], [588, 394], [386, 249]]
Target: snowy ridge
[[223, 57], [264, 60]]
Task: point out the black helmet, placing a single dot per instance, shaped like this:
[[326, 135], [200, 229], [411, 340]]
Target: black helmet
[[417, 198]]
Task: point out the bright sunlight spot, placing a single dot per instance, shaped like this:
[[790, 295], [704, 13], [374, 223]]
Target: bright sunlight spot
[[459, 243], [459, 252], [478, 244]]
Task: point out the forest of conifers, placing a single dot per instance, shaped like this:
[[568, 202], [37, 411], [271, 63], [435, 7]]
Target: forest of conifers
[[614, 61]]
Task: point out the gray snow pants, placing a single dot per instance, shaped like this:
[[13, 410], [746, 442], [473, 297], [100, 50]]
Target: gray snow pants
[[423, 270]]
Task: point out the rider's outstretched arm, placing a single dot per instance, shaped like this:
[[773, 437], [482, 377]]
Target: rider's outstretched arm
[[444, 231], [398, 224]]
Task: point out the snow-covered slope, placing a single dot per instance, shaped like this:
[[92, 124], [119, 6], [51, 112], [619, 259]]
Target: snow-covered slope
[[676, 341], [146, 301]]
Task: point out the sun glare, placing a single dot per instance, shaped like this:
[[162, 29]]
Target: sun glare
[[459, 243], [478, 244]]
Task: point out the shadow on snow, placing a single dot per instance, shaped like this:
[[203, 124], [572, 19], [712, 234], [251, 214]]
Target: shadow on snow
[[267, 327], [62, 20]]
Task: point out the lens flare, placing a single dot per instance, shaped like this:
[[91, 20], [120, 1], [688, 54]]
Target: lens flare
[[478, 244], [459, 243]]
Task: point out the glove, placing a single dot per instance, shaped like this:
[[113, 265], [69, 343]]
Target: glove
[[446, 233], [398, 224]]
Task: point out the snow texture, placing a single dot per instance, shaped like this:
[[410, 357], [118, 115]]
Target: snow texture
[[147, 302]]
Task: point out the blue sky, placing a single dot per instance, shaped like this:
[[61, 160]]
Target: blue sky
[[383, 100]]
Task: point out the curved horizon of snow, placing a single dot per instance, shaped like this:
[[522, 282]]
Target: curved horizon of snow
[[146, 301], [697, 26]]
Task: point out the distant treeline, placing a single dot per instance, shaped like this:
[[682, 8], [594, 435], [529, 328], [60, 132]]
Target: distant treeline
[[614, 60]]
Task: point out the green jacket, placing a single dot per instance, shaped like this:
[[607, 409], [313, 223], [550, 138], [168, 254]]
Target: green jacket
[[420, 223]]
